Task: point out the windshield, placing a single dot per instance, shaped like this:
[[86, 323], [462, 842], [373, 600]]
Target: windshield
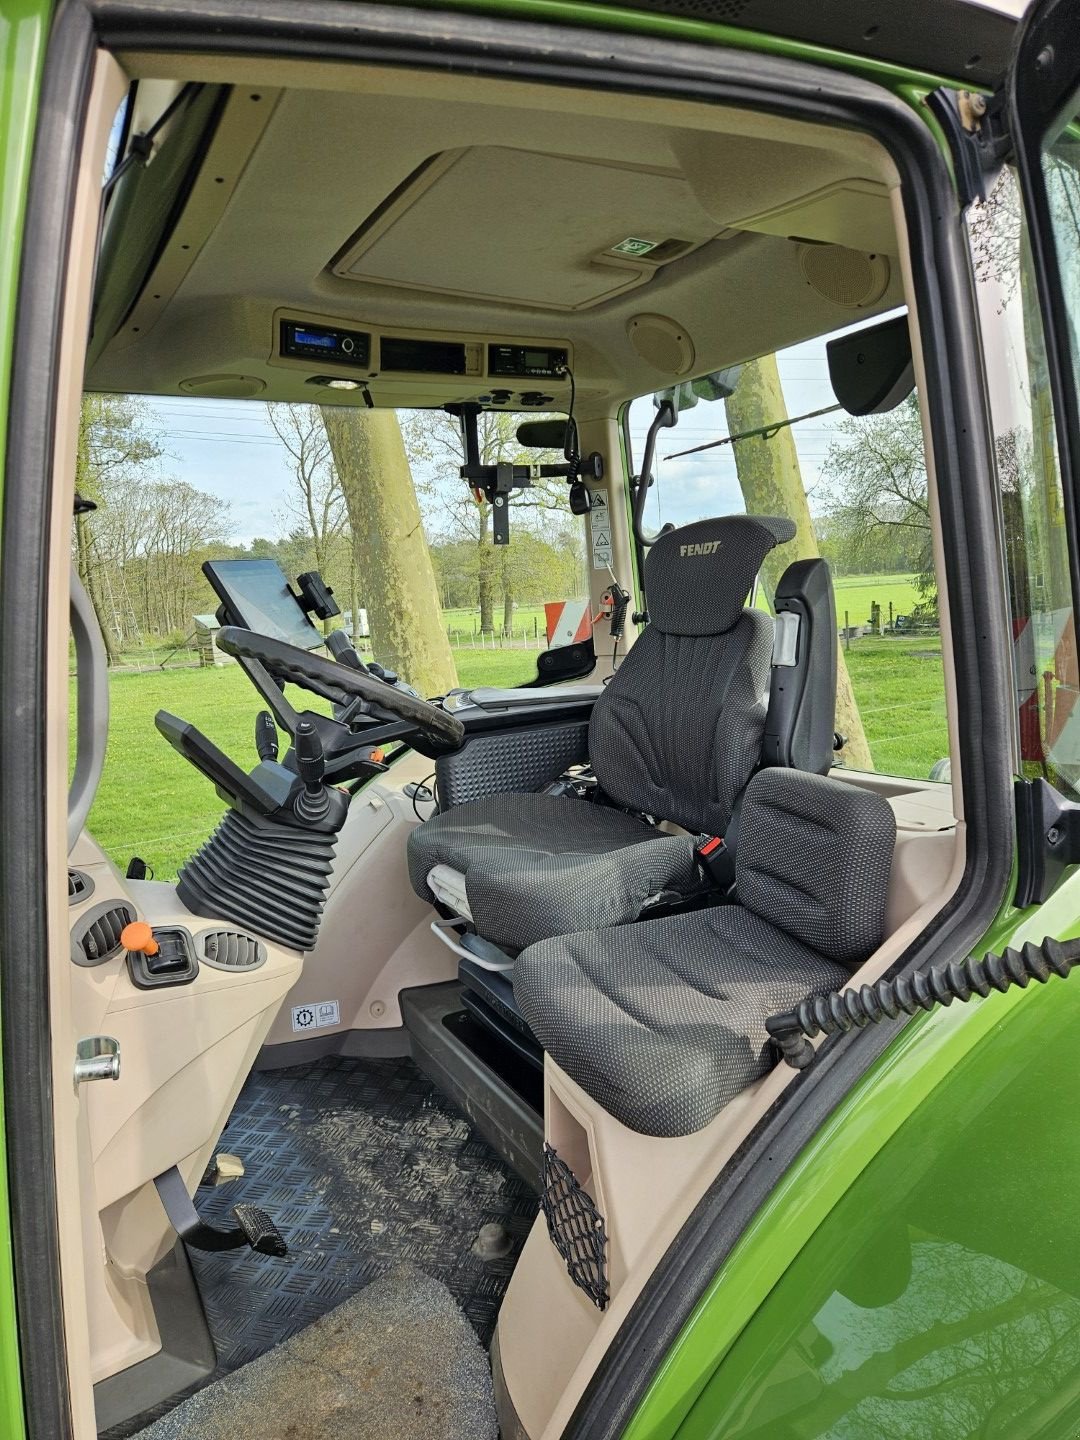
[[372, 499]]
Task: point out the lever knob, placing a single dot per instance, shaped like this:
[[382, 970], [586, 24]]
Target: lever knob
[[266, 736], [139, 937], [313, 802], [310, 764]]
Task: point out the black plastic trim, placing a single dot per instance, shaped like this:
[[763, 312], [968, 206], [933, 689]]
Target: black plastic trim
[[24, 926], [939, 37], [955, 396]]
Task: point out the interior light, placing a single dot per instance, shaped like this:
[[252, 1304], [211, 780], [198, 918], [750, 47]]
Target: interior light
[[334, 382]]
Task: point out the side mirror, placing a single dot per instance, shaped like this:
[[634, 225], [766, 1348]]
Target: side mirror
[[872, 370]]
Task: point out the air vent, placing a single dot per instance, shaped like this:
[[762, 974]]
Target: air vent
[[96, 938], [231, 950], [80, 887]]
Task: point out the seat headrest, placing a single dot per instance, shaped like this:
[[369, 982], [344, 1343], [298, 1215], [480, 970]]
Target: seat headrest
[[697, 578]]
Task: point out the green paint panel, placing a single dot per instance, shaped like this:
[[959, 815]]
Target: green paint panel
[[23, 28]]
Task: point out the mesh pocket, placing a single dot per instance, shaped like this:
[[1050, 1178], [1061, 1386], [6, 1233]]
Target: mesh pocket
[[576, 1228]]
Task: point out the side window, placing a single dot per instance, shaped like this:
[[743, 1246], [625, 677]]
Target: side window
[[1032, 496], [856, 489]]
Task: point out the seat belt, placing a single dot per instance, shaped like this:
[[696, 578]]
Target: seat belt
[[715, 855]]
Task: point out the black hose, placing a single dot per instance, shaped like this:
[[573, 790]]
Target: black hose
[[938, 985]]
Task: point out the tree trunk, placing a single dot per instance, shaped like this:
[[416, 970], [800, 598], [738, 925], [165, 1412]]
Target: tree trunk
[[88, 577], [771, 483], [391, 551]]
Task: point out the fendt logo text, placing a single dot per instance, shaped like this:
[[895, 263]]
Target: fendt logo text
[[704, 547]]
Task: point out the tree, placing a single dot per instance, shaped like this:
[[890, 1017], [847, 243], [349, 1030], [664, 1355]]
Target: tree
[[876, 491], [115, 446], [319, 503], [390, 546], [771, 484]]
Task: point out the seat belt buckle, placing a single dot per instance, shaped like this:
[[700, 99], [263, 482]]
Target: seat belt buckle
[[715, 861]]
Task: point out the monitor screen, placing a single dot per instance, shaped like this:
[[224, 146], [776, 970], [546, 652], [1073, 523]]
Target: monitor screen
[[257, 597]]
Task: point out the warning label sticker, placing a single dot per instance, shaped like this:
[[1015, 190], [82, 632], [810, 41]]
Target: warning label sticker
[[317, 1015], [600, 531]]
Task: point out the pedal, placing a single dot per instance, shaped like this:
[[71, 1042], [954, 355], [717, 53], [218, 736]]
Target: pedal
[[253, 1226], [260, 1231]]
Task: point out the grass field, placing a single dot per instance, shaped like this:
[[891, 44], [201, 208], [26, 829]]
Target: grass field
[[153, 804]]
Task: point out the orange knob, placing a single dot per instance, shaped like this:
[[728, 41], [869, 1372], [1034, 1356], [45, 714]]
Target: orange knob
[[378, 755], [139, 936]]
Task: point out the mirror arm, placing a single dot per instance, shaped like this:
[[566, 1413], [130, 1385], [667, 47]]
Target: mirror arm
[[664, 419]]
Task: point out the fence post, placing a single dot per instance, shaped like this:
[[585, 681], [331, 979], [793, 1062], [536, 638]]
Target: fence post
[[847, 631]]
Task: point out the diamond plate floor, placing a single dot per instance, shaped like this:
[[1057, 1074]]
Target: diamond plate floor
[[362, 1164]]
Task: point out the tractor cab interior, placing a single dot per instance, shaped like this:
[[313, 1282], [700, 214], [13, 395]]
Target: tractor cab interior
[[502, 955]]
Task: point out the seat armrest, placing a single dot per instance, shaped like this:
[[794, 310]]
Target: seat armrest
[[491, 698]]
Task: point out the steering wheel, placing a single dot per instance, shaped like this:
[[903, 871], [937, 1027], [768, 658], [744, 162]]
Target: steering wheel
[[437, 731]]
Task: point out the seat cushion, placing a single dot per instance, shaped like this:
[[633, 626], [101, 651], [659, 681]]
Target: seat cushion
[[663, 1022], [541, 865]]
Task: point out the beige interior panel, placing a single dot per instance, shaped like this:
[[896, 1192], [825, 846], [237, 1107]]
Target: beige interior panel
[[463, 163], [375, 938], [185, 1051], [522, 259], [82, 1282]]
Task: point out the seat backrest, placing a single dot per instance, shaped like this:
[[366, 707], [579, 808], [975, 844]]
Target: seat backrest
[[677, 732], [801, 722], [814, 859]]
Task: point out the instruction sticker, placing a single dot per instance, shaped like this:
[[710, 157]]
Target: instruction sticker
[[317, 1015], [600, 531]]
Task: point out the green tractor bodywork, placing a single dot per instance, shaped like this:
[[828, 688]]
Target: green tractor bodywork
[[869, 1295]]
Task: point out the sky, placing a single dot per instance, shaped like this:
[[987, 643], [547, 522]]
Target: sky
[[226, 447]]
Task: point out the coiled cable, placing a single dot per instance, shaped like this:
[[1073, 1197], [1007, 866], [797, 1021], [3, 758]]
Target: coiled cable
[[845, 1010]]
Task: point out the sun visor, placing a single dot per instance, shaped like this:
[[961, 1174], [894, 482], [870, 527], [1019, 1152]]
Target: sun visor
[[872, 370]]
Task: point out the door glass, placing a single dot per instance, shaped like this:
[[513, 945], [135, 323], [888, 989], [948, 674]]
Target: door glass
[[857, 489], [1036, 533], [1061, 173]]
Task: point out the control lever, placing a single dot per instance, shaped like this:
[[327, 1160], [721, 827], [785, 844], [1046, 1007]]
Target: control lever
[[337, 642], [313, 802], [266, 736]]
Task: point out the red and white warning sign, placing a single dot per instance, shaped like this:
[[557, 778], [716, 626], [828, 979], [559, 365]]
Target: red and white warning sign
[[568, 621]]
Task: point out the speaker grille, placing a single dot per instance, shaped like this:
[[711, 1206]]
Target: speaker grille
[[850, 278]]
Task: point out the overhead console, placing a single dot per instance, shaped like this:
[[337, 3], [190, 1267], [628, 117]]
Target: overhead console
[[516, 372]]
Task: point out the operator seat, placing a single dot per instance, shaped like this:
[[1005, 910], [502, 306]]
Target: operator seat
[[676, 734], [663, 1023]]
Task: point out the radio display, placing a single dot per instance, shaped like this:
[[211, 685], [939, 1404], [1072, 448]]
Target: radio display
[[527, 360], [339, 346]]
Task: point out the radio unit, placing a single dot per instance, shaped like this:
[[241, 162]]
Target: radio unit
[[532, 361], [329, 344]]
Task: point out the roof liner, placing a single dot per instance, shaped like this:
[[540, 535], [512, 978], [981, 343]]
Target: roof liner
[[490, 214]]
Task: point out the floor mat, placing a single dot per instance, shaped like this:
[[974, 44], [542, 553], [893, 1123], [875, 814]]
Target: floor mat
[[399, 1361], [363, 1165]]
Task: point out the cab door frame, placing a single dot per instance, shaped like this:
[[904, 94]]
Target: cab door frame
[[502, 46]]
